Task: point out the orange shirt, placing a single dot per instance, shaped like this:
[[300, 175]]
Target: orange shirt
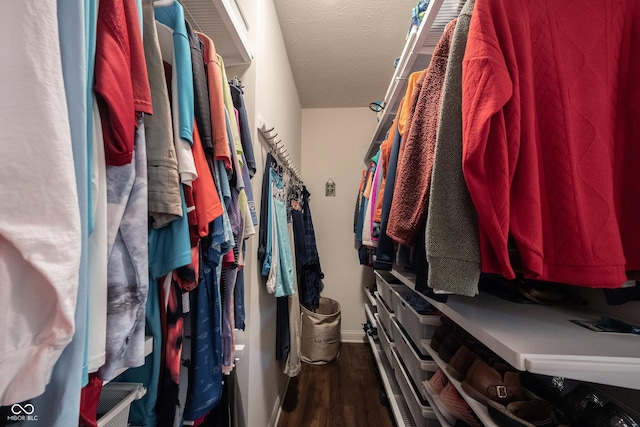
[[216, 102], [408, 102], [205, 195]]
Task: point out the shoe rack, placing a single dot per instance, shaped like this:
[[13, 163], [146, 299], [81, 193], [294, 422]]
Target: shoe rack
[[543, 340], [409, 402], [477, 407], [397, 402]]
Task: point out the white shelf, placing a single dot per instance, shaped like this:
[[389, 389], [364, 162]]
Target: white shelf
[[480, 409], [370, 298], [415, 57], [405, 277], [370, 317], [398, 404], [542, 340], [223, 21]]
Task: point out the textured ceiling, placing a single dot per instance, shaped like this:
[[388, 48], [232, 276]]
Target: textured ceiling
[[342, 51]]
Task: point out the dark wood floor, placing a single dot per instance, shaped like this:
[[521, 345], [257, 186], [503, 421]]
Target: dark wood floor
[[345, 392]]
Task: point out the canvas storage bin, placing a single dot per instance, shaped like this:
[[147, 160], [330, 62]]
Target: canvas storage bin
[[320, 342]]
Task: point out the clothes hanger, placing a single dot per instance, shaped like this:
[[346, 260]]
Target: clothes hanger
[[235, 81]]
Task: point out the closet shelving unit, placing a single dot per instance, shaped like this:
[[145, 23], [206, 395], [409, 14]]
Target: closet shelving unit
[[480, 410], [534, 338], [397, 401], [224, 22], [415, 57], [543, 340], [370, 298]]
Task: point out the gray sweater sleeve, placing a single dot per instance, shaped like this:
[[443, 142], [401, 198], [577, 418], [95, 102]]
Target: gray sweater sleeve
[[452, 243]]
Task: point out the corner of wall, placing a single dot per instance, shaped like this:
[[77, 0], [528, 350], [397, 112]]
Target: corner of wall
[[269, 90]]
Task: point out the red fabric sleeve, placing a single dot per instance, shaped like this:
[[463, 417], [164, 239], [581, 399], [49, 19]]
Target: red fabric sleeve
[[121, 82], [486, 88]]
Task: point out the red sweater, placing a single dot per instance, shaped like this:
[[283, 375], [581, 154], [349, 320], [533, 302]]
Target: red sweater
[[551, 137]]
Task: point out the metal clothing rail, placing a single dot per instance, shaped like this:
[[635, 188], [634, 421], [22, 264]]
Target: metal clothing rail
[[279, 151]]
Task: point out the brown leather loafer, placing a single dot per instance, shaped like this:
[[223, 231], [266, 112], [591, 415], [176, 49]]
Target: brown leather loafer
[[483, 383]]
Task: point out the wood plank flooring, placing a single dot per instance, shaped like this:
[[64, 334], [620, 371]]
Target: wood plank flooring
[[343, 393]]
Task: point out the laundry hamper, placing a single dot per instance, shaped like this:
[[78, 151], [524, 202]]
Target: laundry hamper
[[321, 332]]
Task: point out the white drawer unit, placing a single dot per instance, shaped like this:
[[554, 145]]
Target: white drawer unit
[[386, 316], [423, 414], [416, 316], [385, 340], [419, 367], [386, 281]]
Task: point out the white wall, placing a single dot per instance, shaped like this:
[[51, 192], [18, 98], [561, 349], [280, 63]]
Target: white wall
[[271, 92], [334, 143]]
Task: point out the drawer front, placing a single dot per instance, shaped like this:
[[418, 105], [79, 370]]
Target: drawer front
[[384, 283], [385, 317], [417, 326], [385, 340], [421, 411], [420, 368]]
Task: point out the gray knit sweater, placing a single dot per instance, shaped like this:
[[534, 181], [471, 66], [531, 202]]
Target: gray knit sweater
[[453, 249]]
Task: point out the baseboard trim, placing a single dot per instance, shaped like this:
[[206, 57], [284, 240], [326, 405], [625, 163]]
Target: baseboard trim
[[353, 336], [277, 407]]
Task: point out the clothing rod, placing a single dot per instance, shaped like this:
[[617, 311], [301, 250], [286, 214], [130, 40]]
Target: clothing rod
[[269, 135]]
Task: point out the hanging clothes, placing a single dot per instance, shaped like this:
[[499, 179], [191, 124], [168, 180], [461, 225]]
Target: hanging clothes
[[293, 365], [234, 132], [411, 190], [278, 263], [165, 204], [245, 131], [177, 86], [121, 81], [541, 161], [312, 274], [202, 108], [128, 274], [173, 17], [216, 101], [453, 250], [40, 270], [173, 322], [98, 259], [205, 387]]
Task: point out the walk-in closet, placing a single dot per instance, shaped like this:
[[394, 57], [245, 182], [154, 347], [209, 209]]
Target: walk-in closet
[[296, 213]]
